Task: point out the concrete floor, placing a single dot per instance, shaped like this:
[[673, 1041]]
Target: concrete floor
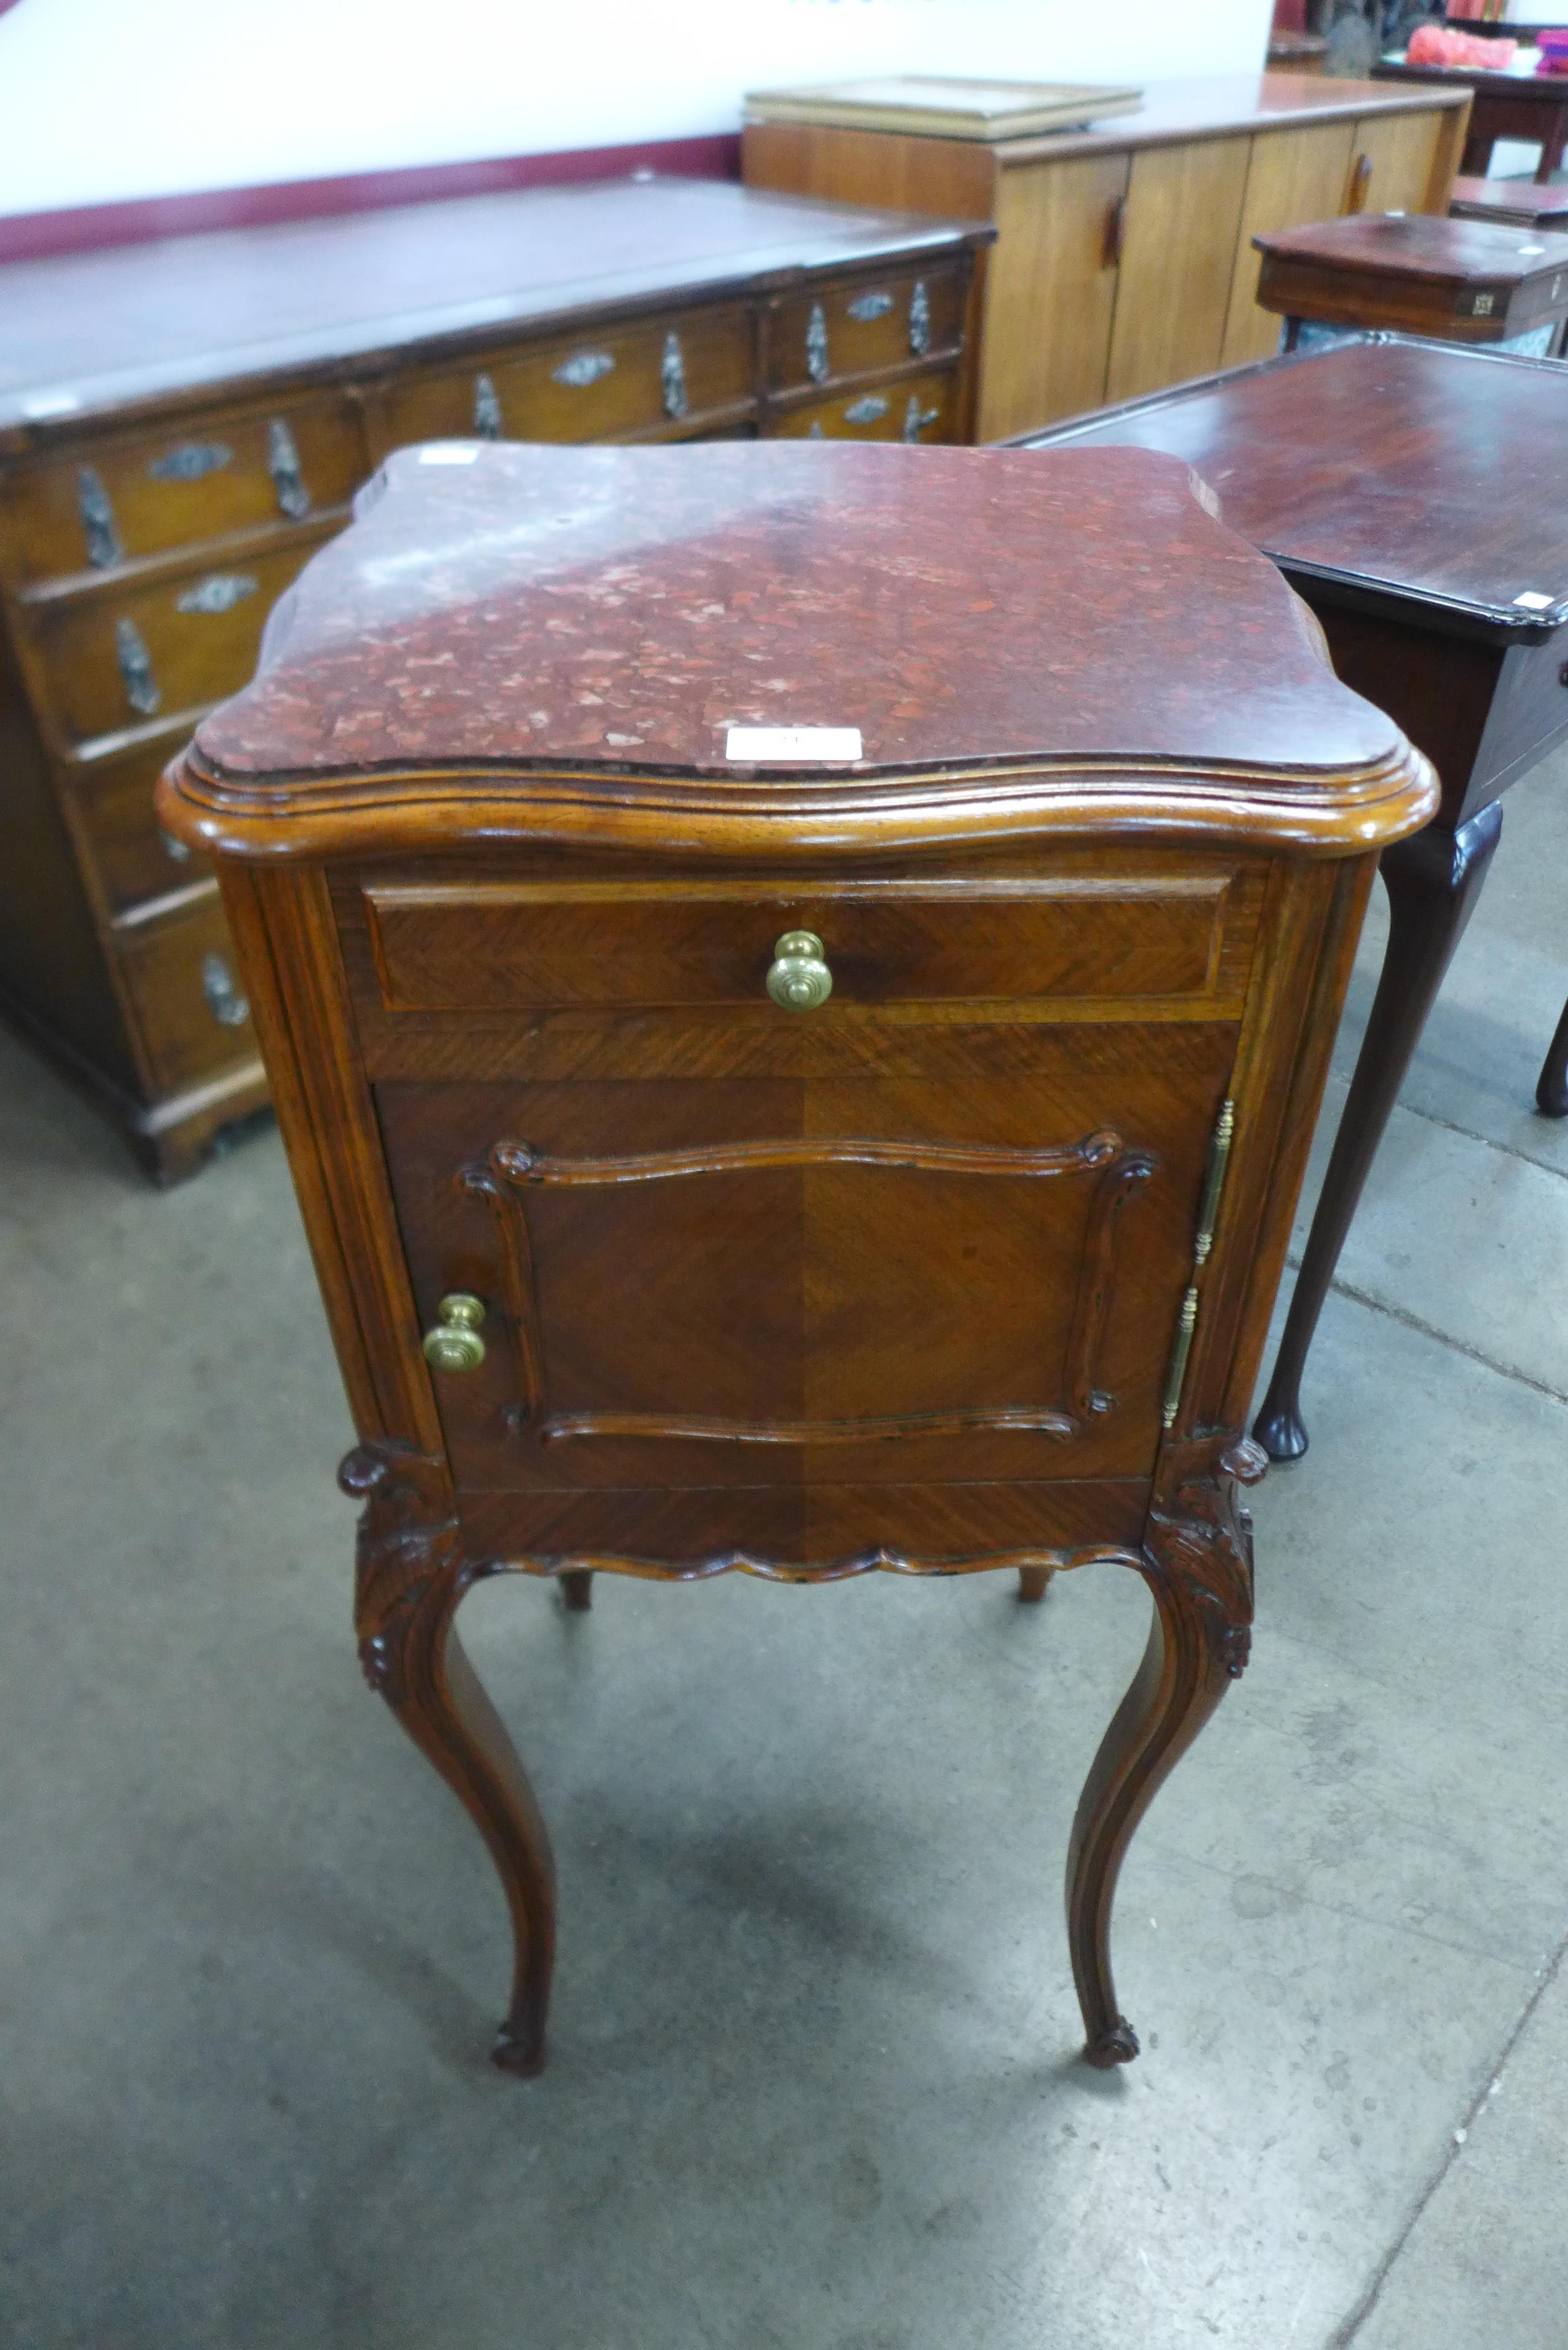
[[815, 2082]]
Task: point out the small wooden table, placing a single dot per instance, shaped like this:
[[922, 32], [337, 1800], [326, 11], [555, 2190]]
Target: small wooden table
[[1519, 203], [1464, 281], [1384, 478], [1526, 105]]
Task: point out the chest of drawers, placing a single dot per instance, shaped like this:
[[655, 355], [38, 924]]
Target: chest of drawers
[[181, 425], [807, 1168]]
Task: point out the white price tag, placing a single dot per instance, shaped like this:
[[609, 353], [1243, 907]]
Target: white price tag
[[755, 745], [448, 453], [1533, 601]]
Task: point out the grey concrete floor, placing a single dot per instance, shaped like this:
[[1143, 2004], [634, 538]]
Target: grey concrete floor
[[814, 2081]]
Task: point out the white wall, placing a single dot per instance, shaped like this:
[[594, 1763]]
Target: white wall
[[102, 99]]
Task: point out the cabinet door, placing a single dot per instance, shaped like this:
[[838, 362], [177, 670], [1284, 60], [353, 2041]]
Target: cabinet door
[[1293, 178], [1409, 163], [1178, 256], [1051, 292]]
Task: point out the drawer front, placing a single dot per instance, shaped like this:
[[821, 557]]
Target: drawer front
[[191, 481], [845, 330], [922, 409], [856, 1281], [541, 947], [190, 1006], [115, 661], [1528, 711], [605, 385], [134, 858]]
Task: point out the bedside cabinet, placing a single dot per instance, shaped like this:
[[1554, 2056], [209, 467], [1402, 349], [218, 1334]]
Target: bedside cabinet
[[797, 983]]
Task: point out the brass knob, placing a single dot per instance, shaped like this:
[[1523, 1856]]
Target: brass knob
[[799, 979], [455, 1345]]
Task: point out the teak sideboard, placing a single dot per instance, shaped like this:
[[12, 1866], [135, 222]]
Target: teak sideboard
[[182, 424], [879, 1158], [1124, 256]]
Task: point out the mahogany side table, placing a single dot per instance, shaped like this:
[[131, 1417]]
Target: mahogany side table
[[798, 982], [1525, 105], [1520, 204], [1463, 281], [1385, 479]]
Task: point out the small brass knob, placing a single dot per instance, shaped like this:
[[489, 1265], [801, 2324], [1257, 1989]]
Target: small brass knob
[[799, 979], [455, 1345]]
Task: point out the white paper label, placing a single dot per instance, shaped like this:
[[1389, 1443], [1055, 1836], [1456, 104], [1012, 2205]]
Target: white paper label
[[51, 403], [448, 453], [1534, 602], [757, 744]]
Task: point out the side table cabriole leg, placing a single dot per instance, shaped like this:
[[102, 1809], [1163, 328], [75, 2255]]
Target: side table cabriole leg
[[409, 1575], [1197, 1564], [1552, 1085], [1433, 880]]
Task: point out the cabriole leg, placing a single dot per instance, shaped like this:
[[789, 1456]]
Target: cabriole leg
[[1551, 1088], [1198, 1568], [410, 1575], [1032, 1582]]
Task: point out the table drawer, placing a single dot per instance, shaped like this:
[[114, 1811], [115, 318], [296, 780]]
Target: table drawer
[[848, 330], [134, 858], [141, 494], [113, 660], [187, 997], [623, 379], [547, 947], [923, 408]]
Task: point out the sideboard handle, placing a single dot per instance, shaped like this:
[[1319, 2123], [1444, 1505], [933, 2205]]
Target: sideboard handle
[[282, 464], [799, 979], [816, 344], [672, 377], [1360, 184], [225, 1001], [920, 319], [136, 668], [103, 548], [455, 1343], [1116, 233]]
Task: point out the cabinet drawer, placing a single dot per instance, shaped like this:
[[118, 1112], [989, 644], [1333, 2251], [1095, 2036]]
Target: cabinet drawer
[[190, 1006], [547, 946], [621, 381], [923, 408], [134, 858], [847, 330], [179, 485], [114, 660]]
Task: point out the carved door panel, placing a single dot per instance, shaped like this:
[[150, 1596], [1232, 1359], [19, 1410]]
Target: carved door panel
[[768, 1281]]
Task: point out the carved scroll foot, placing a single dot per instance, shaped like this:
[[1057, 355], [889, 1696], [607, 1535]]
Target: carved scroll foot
[[410, 1576], [577, 1589], [1197, 1563], [1032, 1582]]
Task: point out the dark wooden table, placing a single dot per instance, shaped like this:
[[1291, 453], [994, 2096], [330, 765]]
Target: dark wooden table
[[1532, 107], [1466, 281], [1385, 479], [1519, 203]]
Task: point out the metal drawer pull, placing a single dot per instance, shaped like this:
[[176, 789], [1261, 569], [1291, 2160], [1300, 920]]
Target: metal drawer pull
[[920, 319], [866, 306], [282, 464], [136, 668], [585, 367], [103, 548], [486, 409], [917, 418], [867, 410], [799, 979], [220, 591], [816, 433], [225, 1002], [672, 377], [191, 461], [816, 344], [179, 850], [455, 1343]]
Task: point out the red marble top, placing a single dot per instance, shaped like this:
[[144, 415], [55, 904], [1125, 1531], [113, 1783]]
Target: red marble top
[[619, 608]]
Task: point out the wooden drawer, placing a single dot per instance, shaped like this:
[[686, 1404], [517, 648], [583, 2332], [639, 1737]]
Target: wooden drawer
[[141, 494], [112, 661], [849, 330], [924, 408], [625, 379], [1176, 938], [134, 858], [187, 998]]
